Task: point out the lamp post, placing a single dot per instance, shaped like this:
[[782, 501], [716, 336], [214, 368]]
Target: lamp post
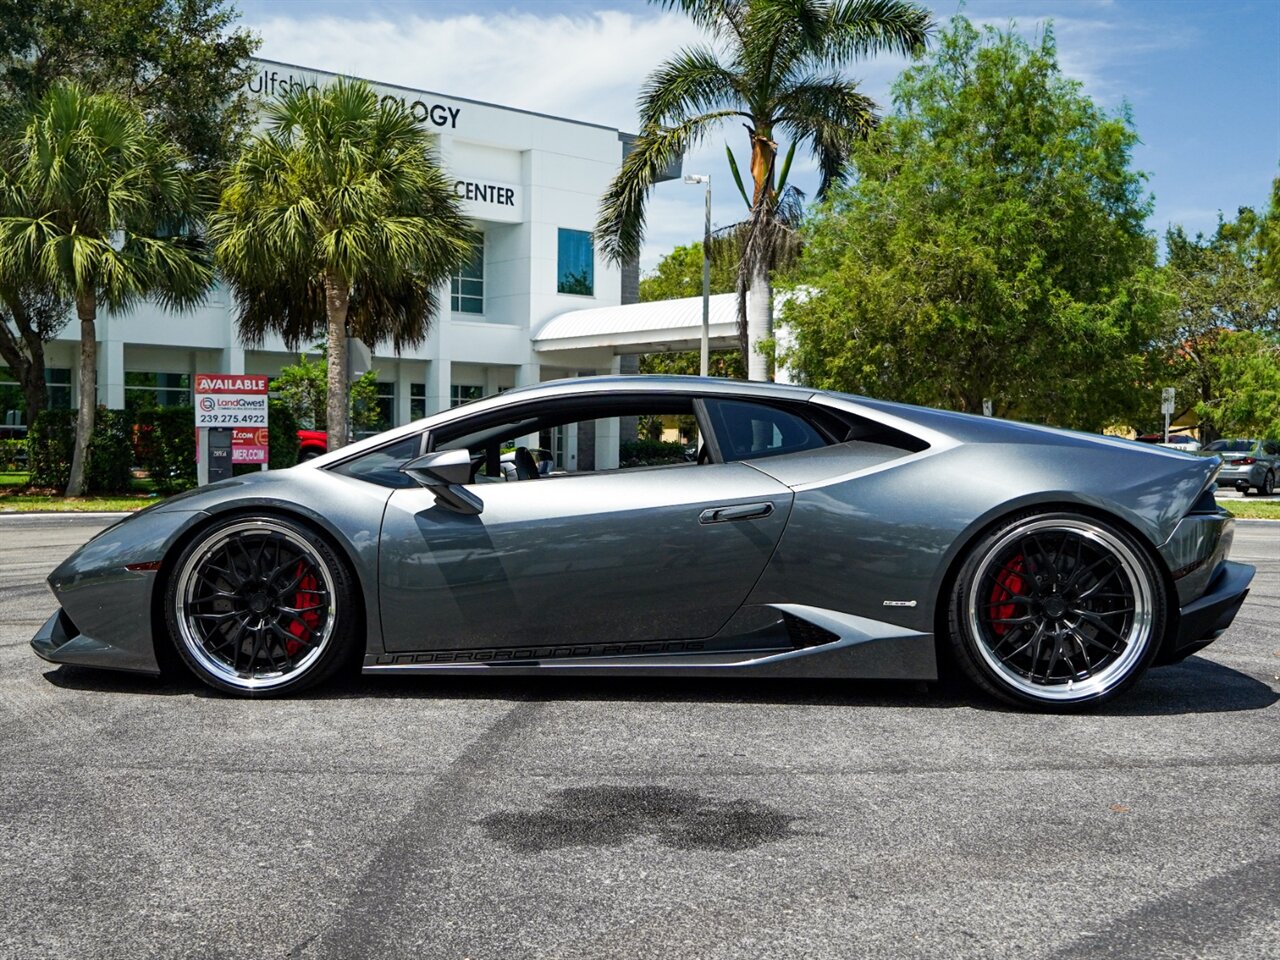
[[704, 366]]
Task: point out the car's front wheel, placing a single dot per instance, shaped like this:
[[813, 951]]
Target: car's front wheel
[[1268, 484], [1057, 611], [260, 606]]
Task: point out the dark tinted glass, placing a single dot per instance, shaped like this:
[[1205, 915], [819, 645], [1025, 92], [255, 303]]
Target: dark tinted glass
[[748, 431], [382, 466], [1231, 446]]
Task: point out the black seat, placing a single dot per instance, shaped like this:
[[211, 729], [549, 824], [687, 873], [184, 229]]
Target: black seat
[[526, 466]]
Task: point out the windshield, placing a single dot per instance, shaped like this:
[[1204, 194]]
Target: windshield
[[1231, 446]]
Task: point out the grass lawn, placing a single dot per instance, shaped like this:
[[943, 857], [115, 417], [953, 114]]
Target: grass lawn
[[15, 499], [1253, 509]]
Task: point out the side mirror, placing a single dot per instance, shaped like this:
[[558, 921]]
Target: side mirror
[[445, 473]]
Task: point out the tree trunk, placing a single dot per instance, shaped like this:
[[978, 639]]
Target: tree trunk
[[337, 300], [759, 321], [87, 309], [27, 370], [23, 354]]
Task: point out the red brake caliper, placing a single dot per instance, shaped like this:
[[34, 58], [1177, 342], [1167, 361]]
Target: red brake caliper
[[1008, 585], [305, 623]]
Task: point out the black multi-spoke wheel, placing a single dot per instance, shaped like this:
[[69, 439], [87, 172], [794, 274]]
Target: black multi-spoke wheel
[[1057, 609], [259, 605]]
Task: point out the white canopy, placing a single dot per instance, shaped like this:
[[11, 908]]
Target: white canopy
[[656, 327]]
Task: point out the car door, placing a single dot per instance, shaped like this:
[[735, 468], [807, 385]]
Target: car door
[[578, 561]]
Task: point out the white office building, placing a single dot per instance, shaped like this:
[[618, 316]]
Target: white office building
[[532, 185]]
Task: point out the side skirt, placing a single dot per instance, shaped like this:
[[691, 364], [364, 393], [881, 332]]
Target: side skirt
[[860, 648]]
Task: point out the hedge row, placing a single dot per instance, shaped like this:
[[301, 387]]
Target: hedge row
[[650, 453], [51, 442], [162, 441], [13, 454]]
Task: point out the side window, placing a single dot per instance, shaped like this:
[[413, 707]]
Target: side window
[[1273, 448], [593, 435], [749, 431], [382, 465]]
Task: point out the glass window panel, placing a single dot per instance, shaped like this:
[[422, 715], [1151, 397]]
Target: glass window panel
[[576, 263], [748, 431], [466, 287]]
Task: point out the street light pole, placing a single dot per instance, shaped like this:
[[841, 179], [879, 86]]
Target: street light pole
[[704, 366]]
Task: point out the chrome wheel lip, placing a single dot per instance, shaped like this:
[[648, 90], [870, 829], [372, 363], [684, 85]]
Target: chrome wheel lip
[[186, 584], [1137, 640]]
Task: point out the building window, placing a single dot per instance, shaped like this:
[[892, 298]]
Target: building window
[[460, 393], [466, 287], [146, 391], [576, 271], [58, 383], [386, 402], [13, 402], [417, 401]]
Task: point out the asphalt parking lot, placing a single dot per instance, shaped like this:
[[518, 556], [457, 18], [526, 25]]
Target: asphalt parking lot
[[559, 818]]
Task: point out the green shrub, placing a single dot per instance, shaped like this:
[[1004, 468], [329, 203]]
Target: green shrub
[[50, 443], [166, 447], [282, 427], [13, 454], [649, 453], [110, 465]]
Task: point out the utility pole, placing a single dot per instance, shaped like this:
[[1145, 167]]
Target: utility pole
[[705, 365]]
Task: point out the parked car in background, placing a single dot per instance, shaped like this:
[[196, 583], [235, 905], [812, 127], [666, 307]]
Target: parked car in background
[[311, 444], [1247, 463], [1181, 441]]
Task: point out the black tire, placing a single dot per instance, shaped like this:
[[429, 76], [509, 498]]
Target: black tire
[[1268, 484], [1031, 623], [261, 606], [306, 455]]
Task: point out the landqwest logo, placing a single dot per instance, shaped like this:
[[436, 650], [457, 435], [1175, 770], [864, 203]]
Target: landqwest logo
[[271, 83]]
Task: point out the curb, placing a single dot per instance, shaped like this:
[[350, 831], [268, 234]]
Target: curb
[[53, 514]]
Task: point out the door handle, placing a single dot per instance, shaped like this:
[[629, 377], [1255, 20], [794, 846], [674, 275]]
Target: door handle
[[738, 511]]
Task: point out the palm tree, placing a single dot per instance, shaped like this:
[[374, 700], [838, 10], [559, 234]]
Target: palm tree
[[776, 68], [97, 210], [336, 221]]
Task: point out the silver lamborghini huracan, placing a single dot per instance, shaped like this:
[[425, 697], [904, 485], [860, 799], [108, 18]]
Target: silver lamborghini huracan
[[786, 532]]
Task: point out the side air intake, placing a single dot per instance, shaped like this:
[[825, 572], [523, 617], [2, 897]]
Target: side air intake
[[802, 633]]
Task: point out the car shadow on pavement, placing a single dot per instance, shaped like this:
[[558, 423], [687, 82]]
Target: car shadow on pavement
[[1196, 685]]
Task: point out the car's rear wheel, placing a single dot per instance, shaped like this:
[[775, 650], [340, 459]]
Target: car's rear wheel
[[1268, 484], [260, 606], [1057, 611]]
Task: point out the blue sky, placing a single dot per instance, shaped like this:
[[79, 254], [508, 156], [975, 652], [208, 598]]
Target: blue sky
[[1202, 78]]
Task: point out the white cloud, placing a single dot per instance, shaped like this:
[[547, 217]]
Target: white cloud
[[586, 67]]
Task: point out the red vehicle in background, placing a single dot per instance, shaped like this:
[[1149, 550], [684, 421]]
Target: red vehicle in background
[[312, 443]]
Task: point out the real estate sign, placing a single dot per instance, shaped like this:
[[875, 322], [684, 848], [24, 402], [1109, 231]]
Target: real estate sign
[[237, 402]]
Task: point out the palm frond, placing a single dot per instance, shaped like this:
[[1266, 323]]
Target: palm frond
[[691, 82], [346, 185], [830, 115], [859, 28], [620, 223], [737, 175], [720, 18]]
